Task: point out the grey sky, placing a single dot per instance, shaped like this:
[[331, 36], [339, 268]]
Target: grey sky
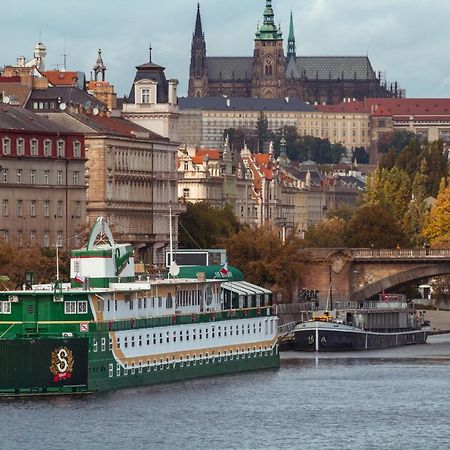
[[407, 39]]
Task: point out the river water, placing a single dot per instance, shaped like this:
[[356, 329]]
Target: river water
[[385, 399]]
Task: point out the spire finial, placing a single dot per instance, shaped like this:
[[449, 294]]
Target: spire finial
[[150, 53], [198, 23], [291, 52]]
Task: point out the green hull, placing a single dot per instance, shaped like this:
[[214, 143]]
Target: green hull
[[26, 368]]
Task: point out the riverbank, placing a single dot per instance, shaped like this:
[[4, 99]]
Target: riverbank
[[439, 320]]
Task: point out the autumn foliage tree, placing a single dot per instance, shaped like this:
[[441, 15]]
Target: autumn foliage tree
[[265, 260], [438, 229]]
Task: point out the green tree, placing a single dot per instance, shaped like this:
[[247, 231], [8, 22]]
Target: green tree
[[202, 226], [240, 136], [360, 155], [262, 132], [396, 140], [373, 225]]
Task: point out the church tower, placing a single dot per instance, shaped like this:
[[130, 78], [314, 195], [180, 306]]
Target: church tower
[[198, 70], [269, 66]]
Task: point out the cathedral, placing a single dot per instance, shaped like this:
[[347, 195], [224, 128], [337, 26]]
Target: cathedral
[[269, 73]]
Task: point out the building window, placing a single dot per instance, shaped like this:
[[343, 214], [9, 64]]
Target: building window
[[76, 178], [19, 176], [46, 176], [59, 177], [33, 237], [19, 208], [5, 234], [33, 176], [34, 147], [76, 149], [61, 149], [5, 208], [77, 209], [59, 238], [6, 145], [186, 193], [33, 208], [82, 308], [186, 165], [46, 241], [47, 148], [46, 208], [145, 95], [5, 175], [59, 208], [20, 238], [20, 149]]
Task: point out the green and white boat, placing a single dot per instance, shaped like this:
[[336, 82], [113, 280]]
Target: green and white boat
[[109, 329]]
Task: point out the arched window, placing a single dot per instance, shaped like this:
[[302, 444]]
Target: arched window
[[268, 71]]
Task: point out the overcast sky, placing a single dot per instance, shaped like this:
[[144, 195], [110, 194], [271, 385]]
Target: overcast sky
[[406, 39]]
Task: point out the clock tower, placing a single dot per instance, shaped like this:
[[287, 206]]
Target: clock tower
[[269, 67]]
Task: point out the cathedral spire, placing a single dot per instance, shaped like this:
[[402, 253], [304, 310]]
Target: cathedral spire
[[198, 23], [291, 41]]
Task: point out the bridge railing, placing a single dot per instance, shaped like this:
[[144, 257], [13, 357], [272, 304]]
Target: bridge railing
[[400, 253]]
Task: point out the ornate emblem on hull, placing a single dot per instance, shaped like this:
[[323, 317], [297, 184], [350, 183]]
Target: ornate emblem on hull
[[61, 364]]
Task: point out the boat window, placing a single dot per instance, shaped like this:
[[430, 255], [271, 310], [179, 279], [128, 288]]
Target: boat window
[[181, 336], [266, 327], [154, 339], [187, 335], [125, 369], [169, 302], [140, 341], [225, 331], [160, 338], [132, 341], [193, 334], [140, 367], [115, 305], [148, 339], [111, 370], [159, 302], [118, 370], [145, 302], [118, 342], [70, 307], [213, 332], [174, 336], [131, 304], [103, 344], [94, 345], [82, 307], [109, 305], [126, 341], [110, 344], [208, 295], [167, 337]]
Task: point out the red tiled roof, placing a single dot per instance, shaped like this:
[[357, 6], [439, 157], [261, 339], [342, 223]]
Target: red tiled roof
[[9, 79], [211, 152], [344, 107], [197, 159], [58, 78], [262, 159]]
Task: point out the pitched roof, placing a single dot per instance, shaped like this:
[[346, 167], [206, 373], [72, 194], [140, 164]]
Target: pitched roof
[[154, 72], [212, 153], [60, 78], [15, 118], [15, 90], [243, 104], [409, 106], [331, 67], [116, 126], [344, 107], [67, 94], [229, 67]]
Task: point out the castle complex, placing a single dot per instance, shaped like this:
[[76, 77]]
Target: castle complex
[[269, 73]]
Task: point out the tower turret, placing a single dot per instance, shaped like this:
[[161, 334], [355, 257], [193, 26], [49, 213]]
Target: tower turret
[[269, 71], [99, 67]]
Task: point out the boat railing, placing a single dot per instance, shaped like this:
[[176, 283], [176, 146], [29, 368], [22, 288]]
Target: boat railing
[[182, 319]]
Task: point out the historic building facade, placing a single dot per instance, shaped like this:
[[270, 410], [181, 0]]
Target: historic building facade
[[42, 180], [270, 74]]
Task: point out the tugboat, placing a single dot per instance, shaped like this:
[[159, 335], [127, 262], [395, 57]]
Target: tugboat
[[109, 329], [389, 322]]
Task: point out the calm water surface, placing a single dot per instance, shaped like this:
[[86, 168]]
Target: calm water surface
[[388, 399]]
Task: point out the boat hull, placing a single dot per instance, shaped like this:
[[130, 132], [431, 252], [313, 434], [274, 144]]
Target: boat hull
[[318, 336]]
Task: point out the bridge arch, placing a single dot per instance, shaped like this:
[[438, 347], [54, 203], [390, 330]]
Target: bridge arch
[[400, 278]]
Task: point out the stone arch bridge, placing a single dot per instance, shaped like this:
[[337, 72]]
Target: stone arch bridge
[[356, 274]]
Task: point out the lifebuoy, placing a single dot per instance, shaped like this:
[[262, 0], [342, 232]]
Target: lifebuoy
[[174, 319], [258, 311], [245, 312], [194, 317]]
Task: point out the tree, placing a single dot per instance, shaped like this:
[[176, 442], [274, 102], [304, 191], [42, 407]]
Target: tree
[[202, 226], [262, 132], [438, 229], [240, 136], [265, 260], [375, 226], [328, 233], [396, 140], [360, 155]]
